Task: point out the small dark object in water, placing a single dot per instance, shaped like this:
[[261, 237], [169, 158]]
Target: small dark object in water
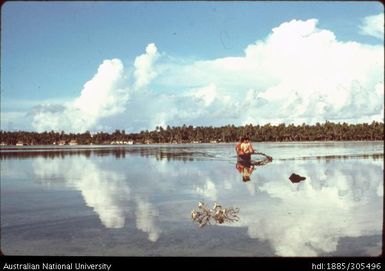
[[295, 178]]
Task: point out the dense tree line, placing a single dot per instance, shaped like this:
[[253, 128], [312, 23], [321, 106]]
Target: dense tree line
[[188, 134]]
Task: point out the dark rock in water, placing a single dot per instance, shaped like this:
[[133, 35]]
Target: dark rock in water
[[295, 178]]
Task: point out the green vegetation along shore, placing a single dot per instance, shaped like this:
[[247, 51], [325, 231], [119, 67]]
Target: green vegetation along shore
[[327, 131]]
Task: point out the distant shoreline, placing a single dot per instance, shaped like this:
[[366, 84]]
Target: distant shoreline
[[14, 147], [325, 132]]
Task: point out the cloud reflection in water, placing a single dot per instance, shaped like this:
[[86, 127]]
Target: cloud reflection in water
[[339, 198], [105, 191], [309, 219]]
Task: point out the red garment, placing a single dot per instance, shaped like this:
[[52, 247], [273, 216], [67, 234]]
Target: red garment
[[241, 168]]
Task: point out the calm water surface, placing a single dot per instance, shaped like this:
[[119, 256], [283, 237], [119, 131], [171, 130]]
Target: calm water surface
[[137, 200]]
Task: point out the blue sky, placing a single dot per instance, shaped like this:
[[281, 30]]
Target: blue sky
[[49, 50]]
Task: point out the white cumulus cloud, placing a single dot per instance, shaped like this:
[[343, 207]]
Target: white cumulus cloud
[[298, 73], [144, 71], [102, 96], [373, 26], [206, 94]]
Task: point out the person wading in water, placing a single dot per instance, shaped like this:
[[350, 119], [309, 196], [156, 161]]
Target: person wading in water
[[244, 149]]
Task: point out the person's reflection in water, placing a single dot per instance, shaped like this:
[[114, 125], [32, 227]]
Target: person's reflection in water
[[246, 169]]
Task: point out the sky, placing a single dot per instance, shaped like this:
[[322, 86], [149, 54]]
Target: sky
[[101, 66]]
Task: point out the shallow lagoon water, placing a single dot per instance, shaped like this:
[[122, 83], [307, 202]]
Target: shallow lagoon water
[[137, 200]]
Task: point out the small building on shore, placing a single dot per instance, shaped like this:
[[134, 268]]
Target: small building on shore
[[73, 142], [196, 142], [19, 143]]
